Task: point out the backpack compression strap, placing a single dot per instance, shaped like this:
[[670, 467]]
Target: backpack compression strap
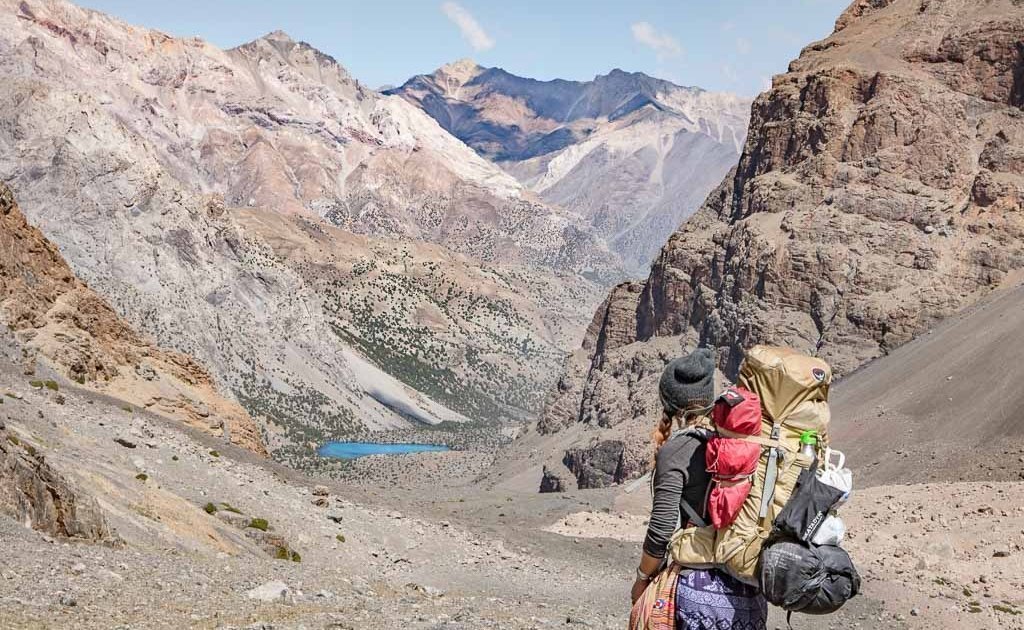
[[771, 476]]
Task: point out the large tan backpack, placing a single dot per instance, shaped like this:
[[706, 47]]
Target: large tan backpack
[[794, 398]]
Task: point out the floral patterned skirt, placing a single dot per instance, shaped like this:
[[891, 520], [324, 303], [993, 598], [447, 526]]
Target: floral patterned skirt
[[713, 600]]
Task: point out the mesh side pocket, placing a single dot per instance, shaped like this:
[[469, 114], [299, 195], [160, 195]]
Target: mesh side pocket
[[807, 507]]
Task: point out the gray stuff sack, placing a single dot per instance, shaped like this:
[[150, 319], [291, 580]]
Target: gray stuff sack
[[807, 578]]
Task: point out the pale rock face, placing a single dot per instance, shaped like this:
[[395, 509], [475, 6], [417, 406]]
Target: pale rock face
[[37, 496], [879, 191], [633, 155], [61, 321], [193, 189]]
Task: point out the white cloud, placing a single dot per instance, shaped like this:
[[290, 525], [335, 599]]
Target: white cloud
[[471, 30], [661, 43], [742, 45], [730, 73]]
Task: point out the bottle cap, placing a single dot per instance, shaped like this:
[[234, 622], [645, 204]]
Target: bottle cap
[[809, 437]]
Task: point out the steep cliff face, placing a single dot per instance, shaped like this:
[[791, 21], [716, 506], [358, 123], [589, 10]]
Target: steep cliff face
[[60, 321], [881, 189]]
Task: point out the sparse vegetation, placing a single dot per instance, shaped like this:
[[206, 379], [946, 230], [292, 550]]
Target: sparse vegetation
[[340, 538], [142, 476], [259, 523], [214, 453], [210, 508], [51, 385], [296, 557]]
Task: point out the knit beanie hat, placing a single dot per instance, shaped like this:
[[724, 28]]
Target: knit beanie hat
[[688, 381]]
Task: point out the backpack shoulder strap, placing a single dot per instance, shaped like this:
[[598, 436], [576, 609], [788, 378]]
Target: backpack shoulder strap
[[702, 435], [691, 514]]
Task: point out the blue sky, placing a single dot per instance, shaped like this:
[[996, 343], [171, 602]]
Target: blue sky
[[733, 45]]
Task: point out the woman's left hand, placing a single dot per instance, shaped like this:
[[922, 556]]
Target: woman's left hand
[[639, 586]]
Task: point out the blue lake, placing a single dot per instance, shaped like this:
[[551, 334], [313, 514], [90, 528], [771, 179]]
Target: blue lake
[[352, 450]]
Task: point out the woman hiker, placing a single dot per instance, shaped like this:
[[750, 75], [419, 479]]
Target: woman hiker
[[706, 599]]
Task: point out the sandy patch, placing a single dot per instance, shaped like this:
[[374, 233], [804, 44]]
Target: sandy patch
[[617, 526]]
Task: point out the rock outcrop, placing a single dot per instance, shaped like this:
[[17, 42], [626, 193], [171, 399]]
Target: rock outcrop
[[880, 190], [34, 494], [60, 320], [632, 154]]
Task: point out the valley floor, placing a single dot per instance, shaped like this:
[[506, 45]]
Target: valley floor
[[422, 554]]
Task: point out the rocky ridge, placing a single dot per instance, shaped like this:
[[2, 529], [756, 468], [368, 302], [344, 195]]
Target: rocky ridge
[[632, 154], [879, 191]]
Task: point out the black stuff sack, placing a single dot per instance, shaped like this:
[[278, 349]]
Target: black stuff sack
[[807, 578], [807, 508]]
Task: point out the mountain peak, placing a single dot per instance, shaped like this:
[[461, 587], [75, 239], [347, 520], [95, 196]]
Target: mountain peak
[[278, 36], [460, 65], [459, 72]]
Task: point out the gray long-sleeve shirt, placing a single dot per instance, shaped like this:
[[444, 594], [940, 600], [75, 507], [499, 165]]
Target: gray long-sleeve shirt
[[679, 474]]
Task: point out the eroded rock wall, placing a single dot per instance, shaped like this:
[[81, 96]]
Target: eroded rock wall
[[880, 190]]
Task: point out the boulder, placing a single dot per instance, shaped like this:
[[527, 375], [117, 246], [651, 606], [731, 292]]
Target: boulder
[[273, 591], [551, 482]]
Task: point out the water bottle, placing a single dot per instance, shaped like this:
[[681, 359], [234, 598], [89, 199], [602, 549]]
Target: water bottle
[[809, 443]]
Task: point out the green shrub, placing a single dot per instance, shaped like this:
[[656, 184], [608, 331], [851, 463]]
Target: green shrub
[[36, 384], [260, 524], [127, 408], [51, 385], [210, 508], [13, 439], [80, 379], [214, 453], [229, 507], [296, 557], [174, 458], [341, 538], [281, 553], [142, 476]]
